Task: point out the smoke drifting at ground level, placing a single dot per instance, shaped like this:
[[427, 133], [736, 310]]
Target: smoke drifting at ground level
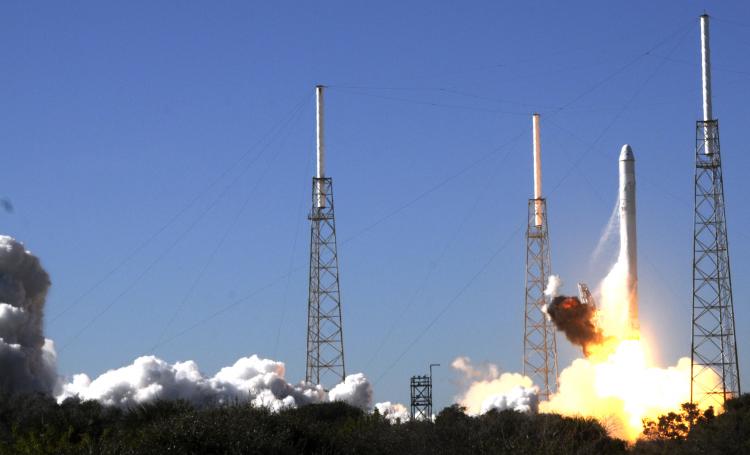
[[250, 379], [28, 361]]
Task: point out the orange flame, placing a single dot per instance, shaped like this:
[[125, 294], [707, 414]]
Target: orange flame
[[617, 383]]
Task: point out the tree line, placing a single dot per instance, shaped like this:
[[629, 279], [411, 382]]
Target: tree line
[[37, 424]]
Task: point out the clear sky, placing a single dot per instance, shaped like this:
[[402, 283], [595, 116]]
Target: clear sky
[[158, 156]]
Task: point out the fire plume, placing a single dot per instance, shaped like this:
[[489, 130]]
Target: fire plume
[[616, 382]]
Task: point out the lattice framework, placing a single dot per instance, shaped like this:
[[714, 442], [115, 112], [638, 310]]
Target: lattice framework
[[325, 341], [539, 342]]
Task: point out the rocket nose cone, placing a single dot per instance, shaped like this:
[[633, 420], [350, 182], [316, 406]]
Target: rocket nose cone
[[626, 154]]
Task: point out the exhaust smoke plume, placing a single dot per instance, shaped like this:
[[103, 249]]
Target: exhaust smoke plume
[[393, 412], [27, 359], [577, 321], [487, 389], [251, 379]]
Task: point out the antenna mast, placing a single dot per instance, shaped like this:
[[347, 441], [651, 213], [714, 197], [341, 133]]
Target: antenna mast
[[539, 342], [714, 375], [325, 341]]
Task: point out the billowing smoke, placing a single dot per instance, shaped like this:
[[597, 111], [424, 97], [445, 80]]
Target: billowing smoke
[[522, 399], [27, 359], [355, 390], [576, 320], [486, 388], [251, 379], [148, 378], [553, 286], [393, 412]]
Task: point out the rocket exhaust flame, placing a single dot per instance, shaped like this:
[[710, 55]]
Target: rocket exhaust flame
[[615, 381]]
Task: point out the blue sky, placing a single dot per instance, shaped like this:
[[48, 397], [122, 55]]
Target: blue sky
[[158, 156]]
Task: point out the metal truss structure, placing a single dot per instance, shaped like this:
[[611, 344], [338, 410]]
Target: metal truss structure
[[421, 397], [325, 342], [539, 341], [714, 369]]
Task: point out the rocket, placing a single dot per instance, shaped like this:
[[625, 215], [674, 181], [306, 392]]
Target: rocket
[[628, 243]]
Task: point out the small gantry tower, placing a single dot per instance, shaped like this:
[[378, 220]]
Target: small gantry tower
[[421, 396], [325, 341], [539, 343], [714, 375]]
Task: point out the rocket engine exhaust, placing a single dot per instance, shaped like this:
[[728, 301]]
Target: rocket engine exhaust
[[628, 243]]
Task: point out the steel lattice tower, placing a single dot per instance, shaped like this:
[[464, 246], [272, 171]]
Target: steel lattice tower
[[325, 341], [421, 396], [714, 369], [539, 342]]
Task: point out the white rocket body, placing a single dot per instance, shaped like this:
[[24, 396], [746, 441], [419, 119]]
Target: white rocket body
[[628, 243]]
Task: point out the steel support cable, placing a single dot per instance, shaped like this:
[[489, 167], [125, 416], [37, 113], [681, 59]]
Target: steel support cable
[[165, 226], [433, 104], [228, 230], [295, 242], [177, 240], [437, 89], [356, 235], [623, 68], [432, 189], [404, 206], [732, 22], [714, 68], [615, 119], [643, 254], [450, 302], [565, 176], [434, 264], [507, 65]]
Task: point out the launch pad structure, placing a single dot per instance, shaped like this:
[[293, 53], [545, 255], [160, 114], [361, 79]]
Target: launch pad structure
[[714, 372], [539, 342], [421, 396], [325, 341]]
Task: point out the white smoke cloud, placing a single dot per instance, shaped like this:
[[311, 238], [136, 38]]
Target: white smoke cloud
[[27, 359], [393, 412], [486, 388], [553, 286], [520, 398], [355, 390], [251, 379]]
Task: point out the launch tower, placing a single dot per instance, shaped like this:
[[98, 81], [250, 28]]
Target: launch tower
[[325, 341], [539, 343], [714, 376]]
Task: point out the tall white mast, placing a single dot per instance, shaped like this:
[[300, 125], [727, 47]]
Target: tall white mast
[[320, 169], [537, 170], [706, 81]]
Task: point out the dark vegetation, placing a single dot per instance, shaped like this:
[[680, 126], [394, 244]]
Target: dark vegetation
[[694, 432], [34, 424]]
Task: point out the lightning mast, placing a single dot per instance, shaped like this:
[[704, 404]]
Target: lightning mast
[[714, 375], [325, 342], [539, 343]]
